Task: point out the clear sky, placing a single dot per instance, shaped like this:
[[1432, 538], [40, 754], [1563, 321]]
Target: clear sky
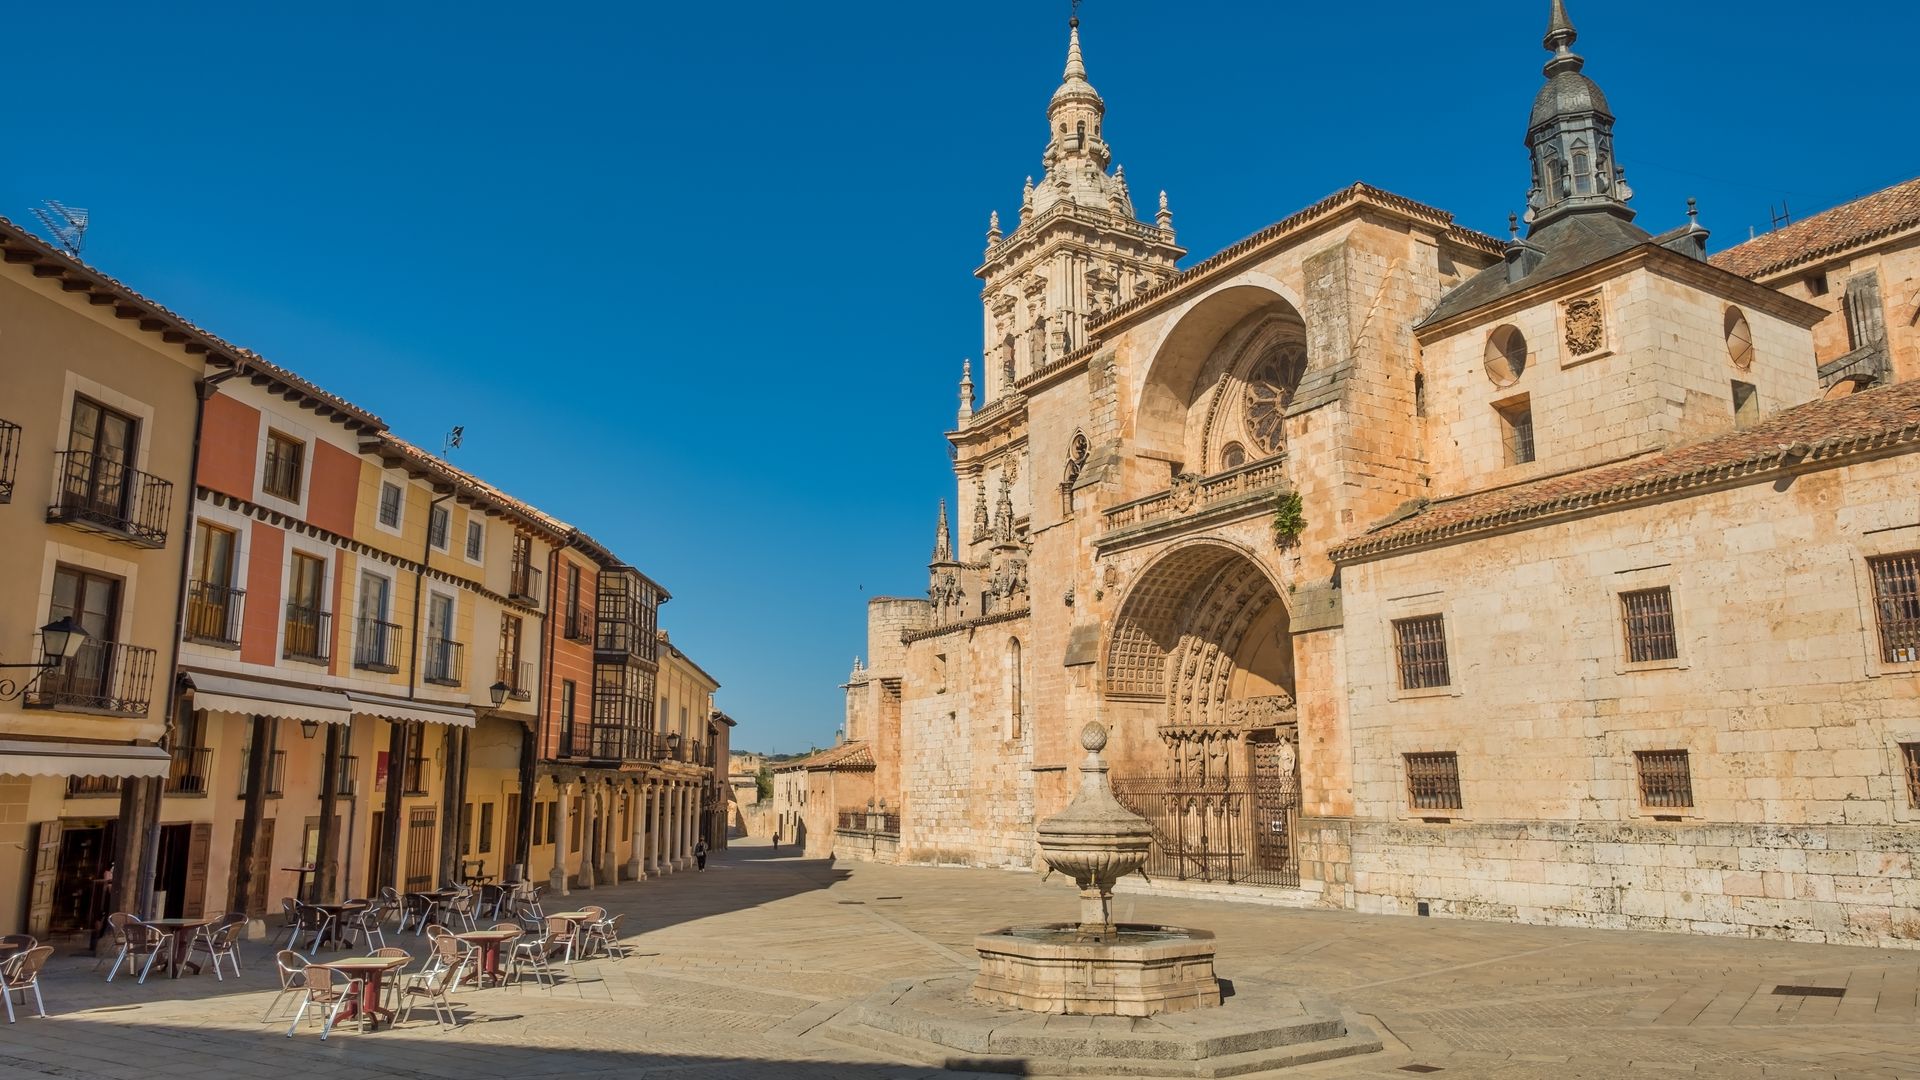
[[697, 277]]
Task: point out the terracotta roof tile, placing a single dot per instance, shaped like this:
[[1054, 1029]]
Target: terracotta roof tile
[[1876, 418], [854, 756], [1865, 219]]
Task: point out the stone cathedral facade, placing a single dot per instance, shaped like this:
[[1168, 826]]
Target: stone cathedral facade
[[1568, 577]]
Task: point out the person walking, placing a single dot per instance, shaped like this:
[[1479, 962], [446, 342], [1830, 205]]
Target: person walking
[[700, 855]]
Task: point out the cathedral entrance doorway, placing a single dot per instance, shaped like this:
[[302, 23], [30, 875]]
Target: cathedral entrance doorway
[[1199, 666]]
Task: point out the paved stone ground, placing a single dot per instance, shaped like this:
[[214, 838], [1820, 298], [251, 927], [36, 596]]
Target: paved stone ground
[[734, 970]]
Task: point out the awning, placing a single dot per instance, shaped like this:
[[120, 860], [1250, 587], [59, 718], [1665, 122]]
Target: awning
[[224, 693], [25, 757], [420, 712]]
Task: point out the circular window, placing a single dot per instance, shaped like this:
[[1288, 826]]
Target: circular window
[[1739, 339], [1269, 391], [1506, 356], [1232, 456]]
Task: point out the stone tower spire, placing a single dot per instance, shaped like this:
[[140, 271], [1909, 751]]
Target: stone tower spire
[[943, 539], [966, 391], [1079, 248], [1570, 137]]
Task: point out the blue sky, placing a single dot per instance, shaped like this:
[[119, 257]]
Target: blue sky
[[748, 229]]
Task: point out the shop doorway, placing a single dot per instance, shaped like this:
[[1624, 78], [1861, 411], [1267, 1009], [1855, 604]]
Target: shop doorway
[[81, 882]]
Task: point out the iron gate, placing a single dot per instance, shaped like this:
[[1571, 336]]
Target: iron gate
[[1239, 831]]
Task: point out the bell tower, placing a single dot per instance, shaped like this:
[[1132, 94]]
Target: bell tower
[[1078, 250]]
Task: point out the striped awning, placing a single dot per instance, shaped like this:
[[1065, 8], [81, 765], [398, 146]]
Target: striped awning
[[251, 697], [29, 757], [419, 712]]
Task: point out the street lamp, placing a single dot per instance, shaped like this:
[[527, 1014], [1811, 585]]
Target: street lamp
[[498, 692], [60, 640], [673, 743], [309, 728]]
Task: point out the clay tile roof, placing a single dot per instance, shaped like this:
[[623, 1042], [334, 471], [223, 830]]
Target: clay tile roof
[[852, 757], [1882, 213], [1820, 430]]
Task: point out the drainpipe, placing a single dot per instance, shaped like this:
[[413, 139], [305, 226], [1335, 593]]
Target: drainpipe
[[449, 852], [397, 732], [136, 889], [529, 743]]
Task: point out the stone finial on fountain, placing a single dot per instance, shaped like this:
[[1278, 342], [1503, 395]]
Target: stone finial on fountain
[[1095, 840]]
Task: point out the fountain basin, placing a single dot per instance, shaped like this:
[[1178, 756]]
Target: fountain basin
[[1138, 970]]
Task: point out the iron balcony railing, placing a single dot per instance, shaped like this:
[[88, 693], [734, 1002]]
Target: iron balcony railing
[[579, 626], [92, 787], [445, 661], [413, 776], [309, 634], [213, 613], [276, 773], [621, 742], [190, 771], [9, 458], [345, 784], [101, 677], [518, 675], [523, 581], [106, 496], [376, 645]]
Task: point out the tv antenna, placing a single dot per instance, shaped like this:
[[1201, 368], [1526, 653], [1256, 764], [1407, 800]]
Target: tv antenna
[[1781, 214], [67, 224], [452, 441]]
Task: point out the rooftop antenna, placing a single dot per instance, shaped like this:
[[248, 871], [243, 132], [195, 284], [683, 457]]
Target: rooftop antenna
[[67, 224], [1782, 215], [452, 441]]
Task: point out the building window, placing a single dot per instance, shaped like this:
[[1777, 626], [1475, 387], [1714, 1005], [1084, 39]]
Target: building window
[[1016, 700], [1421, 646], [486, 827], [1433, 781], [213, 604], [1506, 355], [1817, 284], [281, 477], [1419, 394], [437, 522], [1516, 430], [1746, 404], [1666, 780], [1739, 339], [415, 778], [1232, 456], [1647, 617], [553, 811], [476, 539], [1910, 766], [1896, 602], [540, 834], [390, 504], [466, 829], [1270, 390]]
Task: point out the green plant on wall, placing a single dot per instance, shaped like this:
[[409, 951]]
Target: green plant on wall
[[1289, 521]]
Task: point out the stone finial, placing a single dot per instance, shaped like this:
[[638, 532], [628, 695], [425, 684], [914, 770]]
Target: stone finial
[[1165, 217], [1026, 196], [966, 391], [943, 538], [993, 228], [1093, 737]]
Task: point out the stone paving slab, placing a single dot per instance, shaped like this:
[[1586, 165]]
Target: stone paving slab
[[735, 972]]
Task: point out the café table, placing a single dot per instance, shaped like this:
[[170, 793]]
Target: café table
[[182, 931], [435, 900], [489, 944], [300, 888], [338, 912], [372, 971]]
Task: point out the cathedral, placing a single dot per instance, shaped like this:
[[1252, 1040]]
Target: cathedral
[[1568, 577]]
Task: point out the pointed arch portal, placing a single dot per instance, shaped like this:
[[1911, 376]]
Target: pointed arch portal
[[1201, 651]]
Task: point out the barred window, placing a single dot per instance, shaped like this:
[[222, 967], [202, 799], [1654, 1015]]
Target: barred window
[[1910, 765], [1433, 781], [1896, 601], [390, 505], [1666, 779], [1421, 644], [1516, 423], [1647, 617]]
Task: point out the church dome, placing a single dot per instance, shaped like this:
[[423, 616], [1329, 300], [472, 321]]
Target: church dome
[[1567, 93]]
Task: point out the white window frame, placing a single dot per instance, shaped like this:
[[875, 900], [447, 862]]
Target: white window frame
[[308, 438], [399, 525], [447, 536], [1415, 607], [479, 522]]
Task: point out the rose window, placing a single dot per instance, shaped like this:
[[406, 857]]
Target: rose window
[[1269, 391]]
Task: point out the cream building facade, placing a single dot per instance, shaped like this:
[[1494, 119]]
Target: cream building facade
[[1414, 570]]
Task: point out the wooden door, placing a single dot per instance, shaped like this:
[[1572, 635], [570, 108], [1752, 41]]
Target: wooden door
[[46, 873], [195, 905], [260, 862]]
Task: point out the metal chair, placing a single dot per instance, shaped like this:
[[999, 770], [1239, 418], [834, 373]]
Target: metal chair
[[292, 968], [606, 932], [324, 989], [391, 987], [216, 939], [20, 974], [530, 952], [137, 939], [436, 987], [561, 934], [310, 919], [366, 925]]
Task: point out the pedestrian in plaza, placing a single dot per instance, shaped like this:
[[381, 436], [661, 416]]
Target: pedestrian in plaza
[[700, 855], [776, 838]]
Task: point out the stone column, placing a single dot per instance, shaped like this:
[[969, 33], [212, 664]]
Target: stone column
[[588, 790], [636, 858], [557, 878], [610, 837], [657, 808], [685, 851], [667, 816]]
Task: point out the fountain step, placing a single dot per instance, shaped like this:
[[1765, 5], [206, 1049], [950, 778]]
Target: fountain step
[[1260, 1029]]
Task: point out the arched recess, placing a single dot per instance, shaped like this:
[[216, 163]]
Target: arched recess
[[1199, 678], [1200, 366]]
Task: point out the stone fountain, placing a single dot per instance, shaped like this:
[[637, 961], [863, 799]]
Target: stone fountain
[[1096, 967], [1138, 999]]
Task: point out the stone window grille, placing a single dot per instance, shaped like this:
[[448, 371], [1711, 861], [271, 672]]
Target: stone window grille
[[1433, 781], [1421, 646], [1647, 617], [1666, 779], [1910, 765], [1896, 596], [1516, 430]]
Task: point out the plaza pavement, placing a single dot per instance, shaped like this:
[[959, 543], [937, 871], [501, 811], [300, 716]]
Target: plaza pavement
[[734, 970]]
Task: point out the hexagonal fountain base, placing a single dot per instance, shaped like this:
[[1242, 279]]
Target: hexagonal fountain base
[[1260, 1028], [1140, 970]]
